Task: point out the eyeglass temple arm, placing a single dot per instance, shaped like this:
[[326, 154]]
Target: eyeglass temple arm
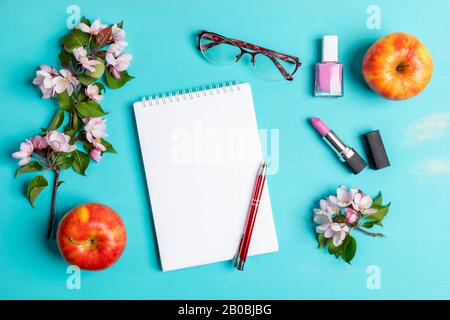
[[219, 40], [271, 54], [282, 70], [254, 47]]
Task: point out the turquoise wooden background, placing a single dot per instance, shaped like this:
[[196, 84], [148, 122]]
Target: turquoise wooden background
[[414, 258]]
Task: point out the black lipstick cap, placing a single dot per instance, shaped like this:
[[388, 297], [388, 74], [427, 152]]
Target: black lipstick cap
[[356, 163], [376, 150]]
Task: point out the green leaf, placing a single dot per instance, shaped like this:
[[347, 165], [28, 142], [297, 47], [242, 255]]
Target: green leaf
[[85, 79], [81, 96], [349, 251], [64, 101], [90, 109], [32, 166], [100, 86], [378, 201], [101, 54], [59, 183], [114, 83], [108, 146], [80, 162], [77, 123], [68, 130], [99, 70], [371, 223], [85, 21], [57, 120], [65, 58], [75, 39], [35, 187], [120, 24], [88, 146], [321, 240], [63, 160], [332, 249], [382, 211]]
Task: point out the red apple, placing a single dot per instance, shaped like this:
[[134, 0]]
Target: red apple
[[91, 236], [398, 66]]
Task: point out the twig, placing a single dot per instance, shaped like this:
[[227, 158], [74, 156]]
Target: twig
[[369, 233], [52, 209]]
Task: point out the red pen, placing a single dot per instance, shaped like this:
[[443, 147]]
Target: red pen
[[241, 256]]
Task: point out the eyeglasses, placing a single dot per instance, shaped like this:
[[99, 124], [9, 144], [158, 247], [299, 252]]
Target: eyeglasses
[[222, 50]]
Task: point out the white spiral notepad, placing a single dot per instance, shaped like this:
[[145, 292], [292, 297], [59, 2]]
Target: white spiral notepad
[[201, 153]]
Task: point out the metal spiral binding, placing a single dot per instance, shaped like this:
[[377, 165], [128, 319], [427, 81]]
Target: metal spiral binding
[[173, 97]]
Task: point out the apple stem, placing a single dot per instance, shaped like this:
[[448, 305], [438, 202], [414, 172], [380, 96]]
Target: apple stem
[[52, 208], [402, 66]]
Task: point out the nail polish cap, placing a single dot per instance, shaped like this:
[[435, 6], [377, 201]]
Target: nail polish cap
[[376, 150], [330, 48]]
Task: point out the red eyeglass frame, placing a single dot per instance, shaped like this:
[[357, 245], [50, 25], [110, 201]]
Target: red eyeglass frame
[[242, 45]]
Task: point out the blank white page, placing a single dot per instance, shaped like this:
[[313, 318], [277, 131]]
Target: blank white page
[[201, 153]]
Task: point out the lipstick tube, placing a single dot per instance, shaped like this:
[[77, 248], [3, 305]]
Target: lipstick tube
[[346, 153]]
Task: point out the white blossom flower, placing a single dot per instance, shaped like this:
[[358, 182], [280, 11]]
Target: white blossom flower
[[344, 196], [80, 55], [93, 92], [118, 64], [43, 80], [115, 49], [66, 81], [95, 27], [322, 215], [95, 129], [337, 231], [118, 36], [26, 149], [59, 141], [363, 203]]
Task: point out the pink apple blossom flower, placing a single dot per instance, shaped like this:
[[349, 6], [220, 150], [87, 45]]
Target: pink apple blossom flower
[[95, 27], [80, 55], [95, 155], [39, 142], [26, 149], [95, 129], [118, 36], [59, 141], [65, 82], [119, 64], [43, 80], [351, 215], [93, 92], [97, 143]]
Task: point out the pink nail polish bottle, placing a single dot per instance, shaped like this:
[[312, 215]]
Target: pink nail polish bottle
[[329, 73]]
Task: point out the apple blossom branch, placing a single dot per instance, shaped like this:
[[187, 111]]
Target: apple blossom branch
[[338, 214], [92, 56]]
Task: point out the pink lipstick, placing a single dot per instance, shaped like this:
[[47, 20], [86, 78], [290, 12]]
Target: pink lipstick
[[346, 153]]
